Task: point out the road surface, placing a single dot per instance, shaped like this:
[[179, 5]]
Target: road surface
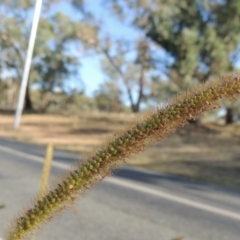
[[133, 204]]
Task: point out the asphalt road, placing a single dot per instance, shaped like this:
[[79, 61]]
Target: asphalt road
[[132, 204]]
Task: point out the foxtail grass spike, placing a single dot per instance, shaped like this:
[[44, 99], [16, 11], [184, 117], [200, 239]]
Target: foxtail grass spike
[[153, 127]]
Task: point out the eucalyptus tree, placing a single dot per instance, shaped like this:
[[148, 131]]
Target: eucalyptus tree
[[128, 64], [124, 61], [59, 38], [199, 38]]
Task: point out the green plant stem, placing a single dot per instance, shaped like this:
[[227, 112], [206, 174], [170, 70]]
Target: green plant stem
[[154, 127]]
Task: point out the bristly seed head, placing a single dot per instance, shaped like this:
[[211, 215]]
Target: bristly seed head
[[154, 127]]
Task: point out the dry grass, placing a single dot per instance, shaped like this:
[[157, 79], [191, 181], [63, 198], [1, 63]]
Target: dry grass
[[208, 152], [74, 133]]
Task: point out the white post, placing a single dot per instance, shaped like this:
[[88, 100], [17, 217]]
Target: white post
[[24, 82]]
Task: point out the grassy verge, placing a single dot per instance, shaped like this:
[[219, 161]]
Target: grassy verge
[[209, 152]]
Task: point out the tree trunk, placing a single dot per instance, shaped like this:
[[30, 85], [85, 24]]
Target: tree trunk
[[28, 102], [135, 108], [229, 116], [11, 89], [47, 101]]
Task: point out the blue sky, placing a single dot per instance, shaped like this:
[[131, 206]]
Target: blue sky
[[90, 70]]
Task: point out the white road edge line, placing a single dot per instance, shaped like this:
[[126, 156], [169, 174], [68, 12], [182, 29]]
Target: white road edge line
[[135, 186]]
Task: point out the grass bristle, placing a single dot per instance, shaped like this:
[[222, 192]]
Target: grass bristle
[[151, 127]]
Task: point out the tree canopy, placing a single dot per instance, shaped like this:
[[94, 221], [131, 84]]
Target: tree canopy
[[57, 48], [200, 38]]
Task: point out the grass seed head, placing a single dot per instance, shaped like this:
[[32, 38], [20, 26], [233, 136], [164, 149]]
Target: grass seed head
[[148, 129]]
